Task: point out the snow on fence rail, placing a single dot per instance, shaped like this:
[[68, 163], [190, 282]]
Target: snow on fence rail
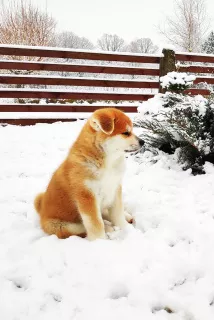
[[19, 62]]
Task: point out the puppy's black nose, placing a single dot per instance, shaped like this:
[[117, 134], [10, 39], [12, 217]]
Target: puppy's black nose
[[141, 142]]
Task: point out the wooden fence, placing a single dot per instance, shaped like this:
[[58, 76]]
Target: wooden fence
[[19, 63]]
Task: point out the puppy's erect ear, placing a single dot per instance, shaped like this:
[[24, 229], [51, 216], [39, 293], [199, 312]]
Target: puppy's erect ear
[[103, 122]]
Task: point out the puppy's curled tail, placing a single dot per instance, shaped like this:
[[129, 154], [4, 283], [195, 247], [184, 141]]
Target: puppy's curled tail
[[38, 202]]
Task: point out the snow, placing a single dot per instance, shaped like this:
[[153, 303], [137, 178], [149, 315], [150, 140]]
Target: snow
[[151, 106], [82, 104], [195, 54], [164, 264], [176, 78], [168, 46], [205, 76], [200, 103], [49, 115], [156, 105], [64, 90]]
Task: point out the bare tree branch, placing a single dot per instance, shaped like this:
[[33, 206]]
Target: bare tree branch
[[189, 25], [111, 42], [142, 45], [22, 23], [68, 39]]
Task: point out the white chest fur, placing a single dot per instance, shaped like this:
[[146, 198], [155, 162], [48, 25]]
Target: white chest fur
[[107, 181]]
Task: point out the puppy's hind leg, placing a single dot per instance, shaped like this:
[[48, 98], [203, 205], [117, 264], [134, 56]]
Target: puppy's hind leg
[[63, 229]]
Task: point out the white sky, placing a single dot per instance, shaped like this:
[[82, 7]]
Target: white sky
[[127, 18]]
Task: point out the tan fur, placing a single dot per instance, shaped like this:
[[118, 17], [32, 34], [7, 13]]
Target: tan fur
[[71, 204], [38, 202]]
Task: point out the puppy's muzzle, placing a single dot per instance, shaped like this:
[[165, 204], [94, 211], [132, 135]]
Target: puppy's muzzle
[[136, 146]]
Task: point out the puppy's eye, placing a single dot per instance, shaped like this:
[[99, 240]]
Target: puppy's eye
[[126, 133]]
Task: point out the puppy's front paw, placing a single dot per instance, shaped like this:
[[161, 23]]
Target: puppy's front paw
[[129, 217], [108, 226], [96, 235]]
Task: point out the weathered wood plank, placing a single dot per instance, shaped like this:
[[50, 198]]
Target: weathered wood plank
[[194, 58], [196, 69], [195, 91], [59, 108], [76, 54], [67, 81], [63, 67], [45, 94], [30, 122]]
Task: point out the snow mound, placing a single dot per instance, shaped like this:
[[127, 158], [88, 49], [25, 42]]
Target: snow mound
[[177, 78], [157, 104]]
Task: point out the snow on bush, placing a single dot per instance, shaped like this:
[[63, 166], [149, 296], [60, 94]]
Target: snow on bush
[[164, 102], [180, 122], [177, 81]]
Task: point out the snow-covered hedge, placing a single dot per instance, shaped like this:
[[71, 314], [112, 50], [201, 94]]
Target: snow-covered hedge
[[175, 122], [177, 81]]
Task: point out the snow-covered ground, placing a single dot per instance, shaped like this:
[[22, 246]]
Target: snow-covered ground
[[163, 269]]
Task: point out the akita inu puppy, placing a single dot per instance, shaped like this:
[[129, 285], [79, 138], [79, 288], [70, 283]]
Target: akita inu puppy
[[87, 185]]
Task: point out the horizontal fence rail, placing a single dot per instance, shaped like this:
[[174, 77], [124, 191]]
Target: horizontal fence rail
[[196, 69], [42, 94], [195, 91], [76, 54], [31, 122], [63, 67], [55, 108], [67, 81], [207, 80], [195, 57], [39, 82]]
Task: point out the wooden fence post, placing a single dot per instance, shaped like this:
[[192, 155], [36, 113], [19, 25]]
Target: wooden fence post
[[167, 64]]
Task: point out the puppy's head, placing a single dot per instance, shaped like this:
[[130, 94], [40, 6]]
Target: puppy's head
[[115, 130]]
